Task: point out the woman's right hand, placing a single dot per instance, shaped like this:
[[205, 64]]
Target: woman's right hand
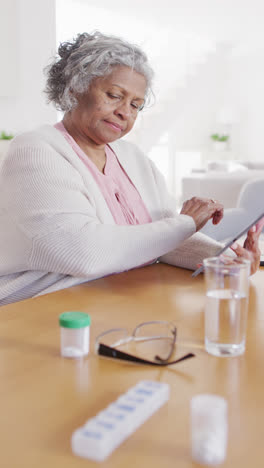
[[203, 209]]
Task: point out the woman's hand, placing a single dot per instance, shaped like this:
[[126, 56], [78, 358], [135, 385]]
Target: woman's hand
[[203, 209], [251, 249]]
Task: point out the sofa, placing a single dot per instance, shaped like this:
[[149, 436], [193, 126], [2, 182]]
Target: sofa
[[221, 180]]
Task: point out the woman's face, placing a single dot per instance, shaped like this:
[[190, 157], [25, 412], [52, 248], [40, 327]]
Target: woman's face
[[109, 109]]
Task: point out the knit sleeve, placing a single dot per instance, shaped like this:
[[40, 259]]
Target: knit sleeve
[[192, 252], [56, 211]]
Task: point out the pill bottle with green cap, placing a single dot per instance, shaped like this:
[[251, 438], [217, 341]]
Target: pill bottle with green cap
[[75, 334]]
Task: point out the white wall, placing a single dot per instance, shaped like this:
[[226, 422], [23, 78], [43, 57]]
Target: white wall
[[28, 40], [31, 26], [245, 92], [8, 48]]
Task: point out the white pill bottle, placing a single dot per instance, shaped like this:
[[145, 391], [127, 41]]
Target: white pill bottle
[[75, 334]]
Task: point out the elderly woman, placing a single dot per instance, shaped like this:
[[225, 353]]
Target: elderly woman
[[77, 202]]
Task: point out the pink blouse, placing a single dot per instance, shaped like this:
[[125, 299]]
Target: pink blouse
[[121, 196]]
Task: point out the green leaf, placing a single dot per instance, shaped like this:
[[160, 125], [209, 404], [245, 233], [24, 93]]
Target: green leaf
[[223, 137], [6, 136], [215, 136]]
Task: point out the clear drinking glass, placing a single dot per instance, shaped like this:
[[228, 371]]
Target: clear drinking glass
[[227, 286]]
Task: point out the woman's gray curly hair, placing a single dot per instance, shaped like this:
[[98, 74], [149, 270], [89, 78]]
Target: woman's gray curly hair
[[87, 57]]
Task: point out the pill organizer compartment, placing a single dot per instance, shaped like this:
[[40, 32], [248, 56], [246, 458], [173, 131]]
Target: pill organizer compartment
[[102, 434]]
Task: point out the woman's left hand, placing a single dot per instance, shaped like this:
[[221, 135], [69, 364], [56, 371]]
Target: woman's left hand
[[250, 249]]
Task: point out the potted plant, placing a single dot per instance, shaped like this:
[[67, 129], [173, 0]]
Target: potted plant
[[220, 141], [4, 142]]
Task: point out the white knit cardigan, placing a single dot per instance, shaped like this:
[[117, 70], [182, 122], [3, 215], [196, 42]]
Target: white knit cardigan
[[57, 230]]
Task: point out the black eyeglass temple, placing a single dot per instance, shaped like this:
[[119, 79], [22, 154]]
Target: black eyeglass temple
[[107, 351], [160, 359]]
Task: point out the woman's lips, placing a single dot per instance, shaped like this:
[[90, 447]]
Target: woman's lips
[[114, 126]]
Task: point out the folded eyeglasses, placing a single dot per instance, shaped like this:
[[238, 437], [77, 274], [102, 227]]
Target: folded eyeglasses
[[148, 338]]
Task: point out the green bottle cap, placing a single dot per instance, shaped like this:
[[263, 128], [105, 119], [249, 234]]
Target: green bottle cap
[[74, 319]]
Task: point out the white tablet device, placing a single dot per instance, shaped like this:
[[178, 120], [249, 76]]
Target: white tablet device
[[199, 270]]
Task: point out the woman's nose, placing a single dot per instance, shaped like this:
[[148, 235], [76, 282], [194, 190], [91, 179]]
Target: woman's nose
[[124, 110]]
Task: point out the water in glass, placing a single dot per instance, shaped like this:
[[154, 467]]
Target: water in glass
[[225, 322]]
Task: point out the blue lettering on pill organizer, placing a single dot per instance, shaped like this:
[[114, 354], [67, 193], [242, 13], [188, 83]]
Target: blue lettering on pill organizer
[[92, 434], [144, 392], [126, 407], [137, 400], [105, 424], [152, 384], [119, 416]]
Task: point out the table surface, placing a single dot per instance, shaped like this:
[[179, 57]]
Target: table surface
[[45, 397]]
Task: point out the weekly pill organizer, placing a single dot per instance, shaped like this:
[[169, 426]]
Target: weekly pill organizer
[[101, 435]]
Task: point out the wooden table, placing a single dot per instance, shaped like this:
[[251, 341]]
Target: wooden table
[[44, 397]]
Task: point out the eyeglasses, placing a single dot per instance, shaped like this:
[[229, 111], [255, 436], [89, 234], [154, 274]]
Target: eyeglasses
[[148, 338]]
